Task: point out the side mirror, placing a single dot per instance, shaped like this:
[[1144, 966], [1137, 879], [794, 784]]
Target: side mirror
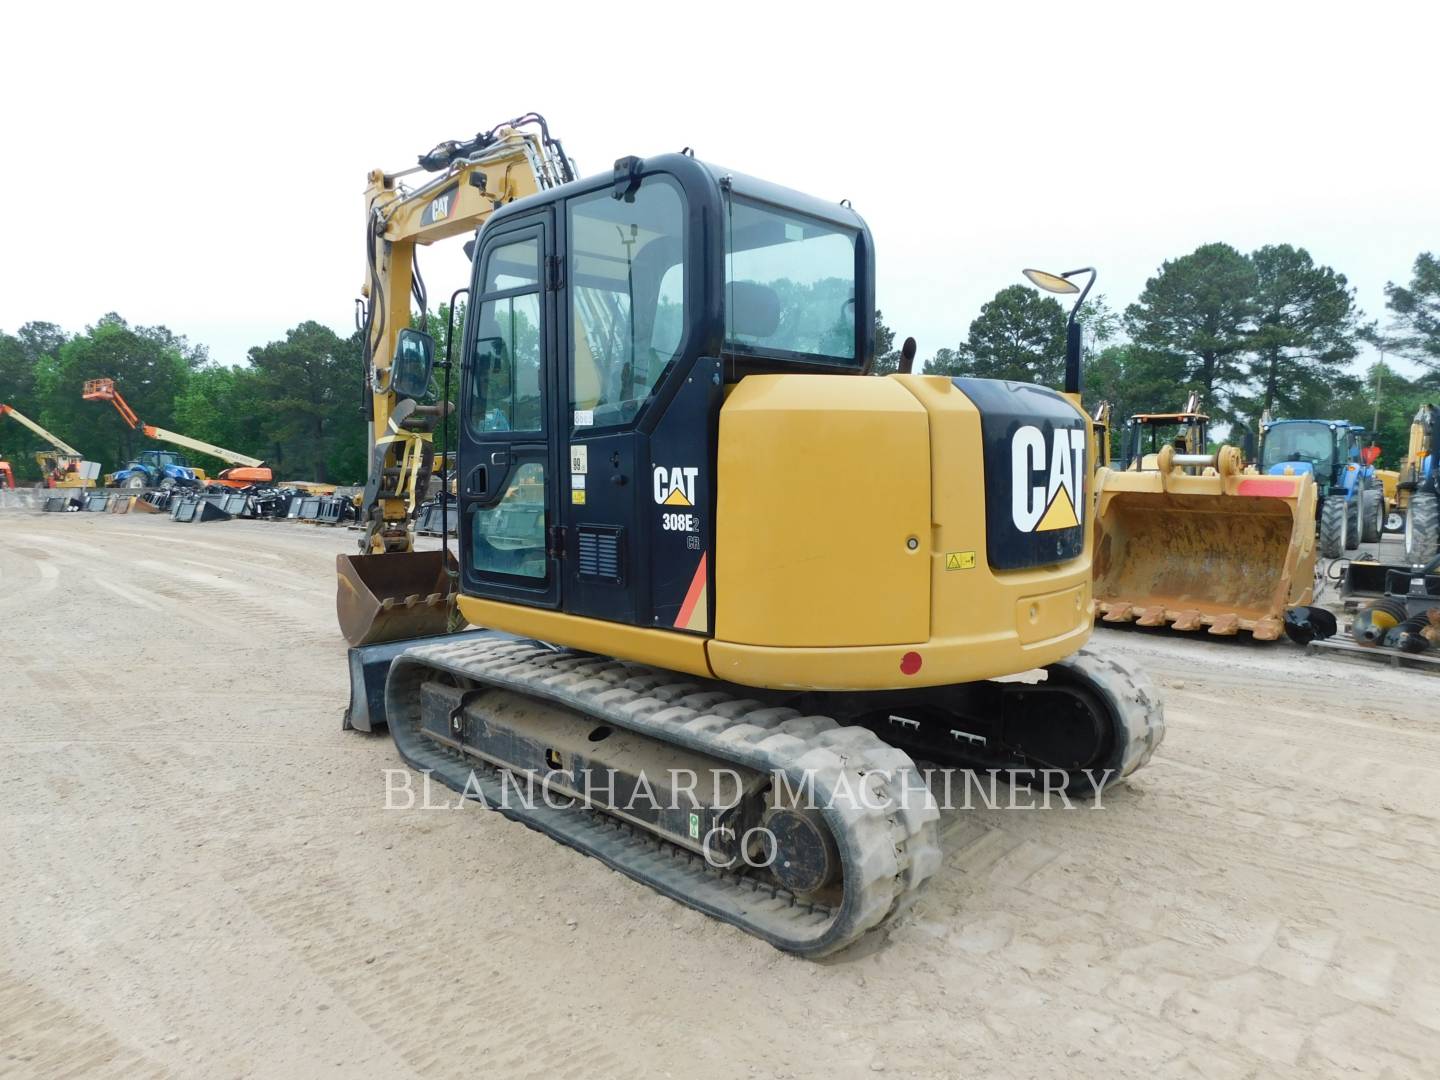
[[1248, 444], [414, 361]]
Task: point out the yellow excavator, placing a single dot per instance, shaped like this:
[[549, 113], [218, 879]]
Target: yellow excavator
[[1187, 539], [61, 467], [734, 590]]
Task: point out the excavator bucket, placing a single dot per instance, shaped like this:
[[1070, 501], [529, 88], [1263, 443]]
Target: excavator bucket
[[390, 597], [1222, 550]]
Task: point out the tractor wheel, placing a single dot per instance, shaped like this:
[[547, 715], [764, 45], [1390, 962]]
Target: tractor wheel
[[1372, 515], [1332, 527], [1352, 523], [135, 482], [1395, 521], [1422, 529], [168, 484]]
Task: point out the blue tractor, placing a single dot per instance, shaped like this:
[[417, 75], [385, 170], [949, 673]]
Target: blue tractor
[[156, 469], [1349, 496]]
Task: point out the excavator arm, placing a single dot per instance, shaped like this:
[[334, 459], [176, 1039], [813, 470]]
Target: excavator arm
[[475, 178], [381, 597]]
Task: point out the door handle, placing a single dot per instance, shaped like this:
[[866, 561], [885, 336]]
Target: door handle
[[500, 458], [477, 481]]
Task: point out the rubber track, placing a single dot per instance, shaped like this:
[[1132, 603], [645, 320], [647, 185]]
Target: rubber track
[[888, 841], [1135, 708]]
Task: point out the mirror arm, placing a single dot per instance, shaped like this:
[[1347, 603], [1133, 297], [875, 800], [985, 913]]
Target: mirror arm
[[1073, 371]]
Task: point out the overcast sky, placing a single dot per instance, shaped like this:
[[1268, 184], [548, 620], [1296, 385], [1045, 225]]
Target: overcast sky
[[204, 168]]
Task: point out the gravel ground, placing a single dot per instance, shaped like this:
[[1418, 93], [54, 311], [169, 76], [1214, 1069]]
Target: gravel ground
[[201, 877]]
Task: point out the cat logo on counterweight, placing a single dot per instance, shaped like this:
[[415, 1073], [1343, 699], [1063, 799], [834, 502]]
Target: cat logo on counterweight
[[1048, 479]]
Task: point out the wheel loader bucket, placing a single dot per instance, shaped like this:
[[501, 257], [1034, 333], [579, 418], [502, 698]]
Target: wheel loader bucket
[[1222, 551], [389, 597]]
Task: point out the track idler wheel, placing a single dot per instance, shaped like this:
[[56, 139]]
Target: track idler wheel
[[805, 859]]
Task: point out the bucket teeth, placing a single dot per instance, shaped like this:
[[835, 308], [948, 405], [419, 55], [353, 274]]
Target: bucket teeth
[[1151, 616], [1189, 620]]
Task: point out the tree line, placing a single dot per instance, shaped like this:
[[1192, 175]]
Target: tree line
[[296, 402], [1270, 329]]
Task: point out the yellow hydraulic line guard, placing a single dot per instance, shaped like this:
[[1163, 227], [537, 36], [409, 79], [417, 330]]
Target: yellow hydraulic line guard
[[1225, 550]]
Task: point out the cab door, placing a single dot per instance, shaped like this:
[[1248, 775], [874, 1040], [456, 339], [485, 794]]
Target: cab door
[[509, 469]]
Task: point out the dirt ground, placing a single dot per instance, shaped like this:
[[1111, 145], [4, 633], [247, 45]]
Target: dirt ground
[[200, 877]]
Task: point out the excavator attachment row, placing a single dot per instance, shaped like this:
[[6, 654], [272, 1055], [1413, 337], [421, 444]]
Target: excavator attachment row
[[1222, 551]]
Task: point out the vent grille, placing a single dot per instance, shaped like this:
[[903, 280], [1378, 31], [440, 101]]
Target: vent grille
[[601, 553]]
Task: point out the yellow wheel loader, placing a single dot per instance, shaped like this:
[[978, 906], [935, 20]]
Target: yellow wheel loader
[[735, 590], [1187, 539]]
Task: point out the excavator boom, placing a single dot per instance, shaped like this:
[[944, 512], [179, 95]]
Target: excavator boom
[[381, 597]]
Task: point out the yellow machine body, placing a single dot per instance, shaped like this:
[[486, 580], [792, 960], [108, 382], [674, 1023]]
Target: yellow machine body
[[1223, 551], [851, 550]]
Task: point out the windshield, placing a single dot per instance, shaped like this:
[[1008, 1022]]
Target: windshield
[[790, 285], [1298, 442]]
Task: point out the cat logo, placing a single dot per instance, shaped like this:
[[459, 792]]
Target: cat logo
[[1048, 479], [441, 206], [675, 487]]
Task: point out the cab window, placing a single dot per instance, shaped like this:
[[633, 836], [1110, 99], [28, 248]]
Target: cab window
[[627, 299], [789, 285], [506, 374]]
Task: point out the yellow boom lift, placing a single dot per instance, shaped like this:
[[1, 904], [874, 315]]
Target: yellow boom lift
[[734, 588], [62, 467]]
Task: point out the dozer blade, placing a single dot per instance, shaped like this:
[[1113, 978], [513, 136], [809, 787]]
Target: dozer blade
[[390, 597], [1223, 553]]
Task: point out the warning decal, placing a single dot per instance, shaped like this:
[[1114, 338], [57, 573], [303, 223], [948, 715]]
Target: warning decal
[[960, 560]]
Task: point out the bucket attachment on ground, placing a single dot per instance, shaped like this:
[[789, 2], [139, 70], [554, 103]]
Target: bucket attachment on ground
[[389, 597], [98, 503], [428, 521], [232, 503], [193, 508], [1220, 550]]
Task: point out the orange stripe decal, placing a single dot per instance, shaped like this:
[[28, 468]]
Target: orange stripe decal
[[695, 611]]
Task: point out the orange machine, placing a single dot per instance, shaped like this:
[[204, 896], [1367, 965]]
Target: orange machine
[[243, 472]]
